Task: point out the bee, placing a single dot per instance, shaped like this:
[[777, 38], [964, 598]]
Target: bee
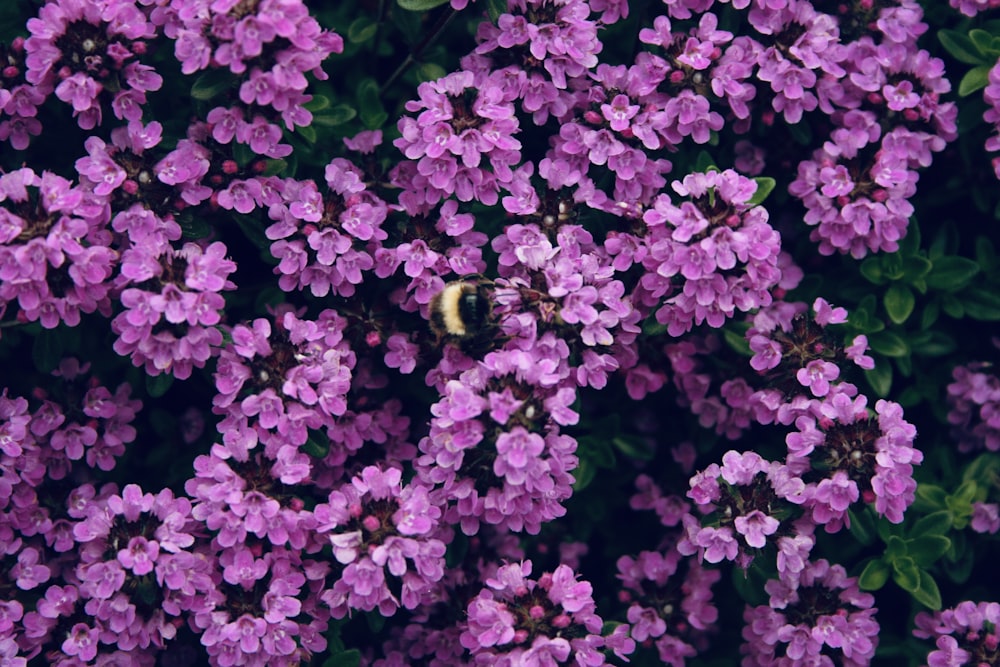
[[463, 310]]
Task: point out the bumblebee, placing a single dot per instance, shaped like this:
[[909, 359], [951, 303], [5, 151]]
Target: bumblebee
[[463, 309]]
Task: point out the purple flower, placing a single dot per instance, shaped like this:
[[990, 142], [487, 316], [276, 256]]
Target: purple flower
[[465, 119], [704, 243], [85, 52], [965, 634], [53, 262], [548, 621], [679, 619], [819, 609], [755, 501], [381, 533], [974, 401]]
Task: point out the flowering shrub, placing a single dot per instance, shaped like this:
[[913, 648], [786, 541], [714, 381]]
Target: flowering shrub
[[499, 332]]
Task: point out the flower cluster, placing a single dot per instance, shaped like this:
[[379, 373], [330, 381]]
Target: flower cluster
[[748, 503], [670, 603], [563, 282], [857, 187], [88, 54], [516, 620], [846, 454], [818, 617], [276, 382], [270, 46], [801, 360], [536, 175], [78, 419], [324, 241], [991, 94], [540, 47], [172, 302], [710, 256], [384, 537], [974, 399], [462, 139], [494, 452], [798, 359], [263, 608], [55, 262], [973, 7], [965, 634], [127, 541], [18, 99]]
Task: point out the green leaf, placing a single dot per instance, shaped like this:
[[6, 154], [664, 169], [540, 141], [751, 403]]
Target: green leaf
[[960, 47], [960, 503], [887, 530], [967, 491], [904, 365], [376, 622], [910, 397], [211, 83], [909, 245], [951, 273], [933, 495], [932, 344], [371, 111], [981, 304], [802, 133], [862, 526], [880, 378], [348, 658], [749, 584], [986, 254], [927, 592], [945, 242], [953, 307], [871, 269], [936, 523], [765, 185], [895, 548], [899, 302], [975, 79], [317, 103], [915, 268], [634, 447], [892, 265], [983, 41], [252, 229], [495, 9], [983, 469], [317, 444], [874, 576], [737, 343], [888, 344], [337, 115], [704, 163], [906, 574], [157, 385], [420, 5], [927, 549], [930, 315], [959, 569], [597, 450], [275, 166], [584, 475], [307, 132], [361, 30], [653, 328], [430, 72]]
